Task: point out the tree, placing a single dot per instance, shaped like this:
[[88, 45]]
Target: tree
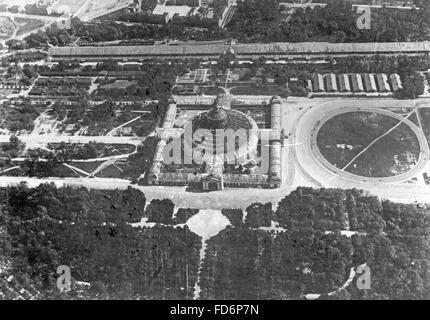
[[413, 86], [259, 215], [160, 211], [14, 147]]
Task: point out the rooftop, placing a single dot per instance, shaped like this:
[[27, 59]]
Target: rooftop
[[218, 49]]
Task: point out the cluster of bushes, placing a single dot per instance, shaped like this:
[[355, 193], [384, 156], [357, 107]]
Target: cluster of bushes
[[19, 117], [65, 86], [27, 56]]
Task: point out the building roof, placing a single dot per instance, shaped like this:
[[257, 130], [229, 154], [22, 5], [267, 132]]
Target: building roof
[[396, 83], [318, 82], [344, 83], [240, 130], [331, 82], [382, 80], [220, 118], [326, 47], [171, 10], [356, 82], [243, 49], [121, 51], [369, 82]]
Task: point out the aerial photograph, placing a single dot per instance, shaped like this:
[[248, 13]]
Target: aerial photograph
[[218, 150]]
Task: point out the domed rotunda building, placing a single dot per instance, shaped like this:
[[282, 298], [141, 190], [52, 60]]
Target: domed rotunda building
[[233, 135]]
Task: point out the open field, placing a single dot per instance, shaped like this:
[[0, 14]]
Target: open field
[[26, 25]]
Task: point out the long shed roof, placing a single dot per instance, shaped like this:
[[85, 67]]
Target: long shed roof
[[243, 49]]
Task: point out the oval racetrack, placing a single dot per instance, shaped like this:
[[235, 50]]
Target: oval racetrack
[[314, 164]]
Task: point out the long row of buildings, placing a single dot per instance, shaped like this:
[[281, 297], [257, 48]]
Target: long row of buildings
[[277, 50], [355, 82]]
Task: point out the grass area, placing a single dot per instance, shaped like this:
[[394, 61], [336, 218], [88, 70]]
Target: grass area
[[343, 137], [119, 84], [113, 171], [87, 166], [91, 150], [26, 25], [425, 120], [98, 124]]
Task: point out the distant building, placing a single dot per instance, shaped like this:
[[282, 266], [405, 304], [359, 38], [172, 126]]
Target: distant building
[[357, 83], [171, 11], [206, 3], [318, 83], [396, 83], [344, 83], [195, 76], [369, 82], [36, 9], [64, 23], [331, 82], [136, 6], [246, 52], [382, 81], [131, 66]]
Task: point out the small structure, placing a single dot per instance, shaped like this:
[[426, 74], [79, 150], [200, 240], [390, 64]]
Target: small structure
[[344, 83], [318, 83], [396, 83], [195, 76], [212, 182], [369, 82], [275, 145], [64, 22], [357, 83], [171, 11], [331, 83], [382, 81]]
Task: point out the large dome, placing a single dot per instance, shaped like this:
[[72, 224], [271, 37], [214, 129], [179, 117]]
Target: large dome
[[220, 118], [232, 131]]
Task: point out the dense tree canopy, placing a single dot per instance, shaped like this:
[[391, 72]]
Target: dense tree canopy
[[90, 231]]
